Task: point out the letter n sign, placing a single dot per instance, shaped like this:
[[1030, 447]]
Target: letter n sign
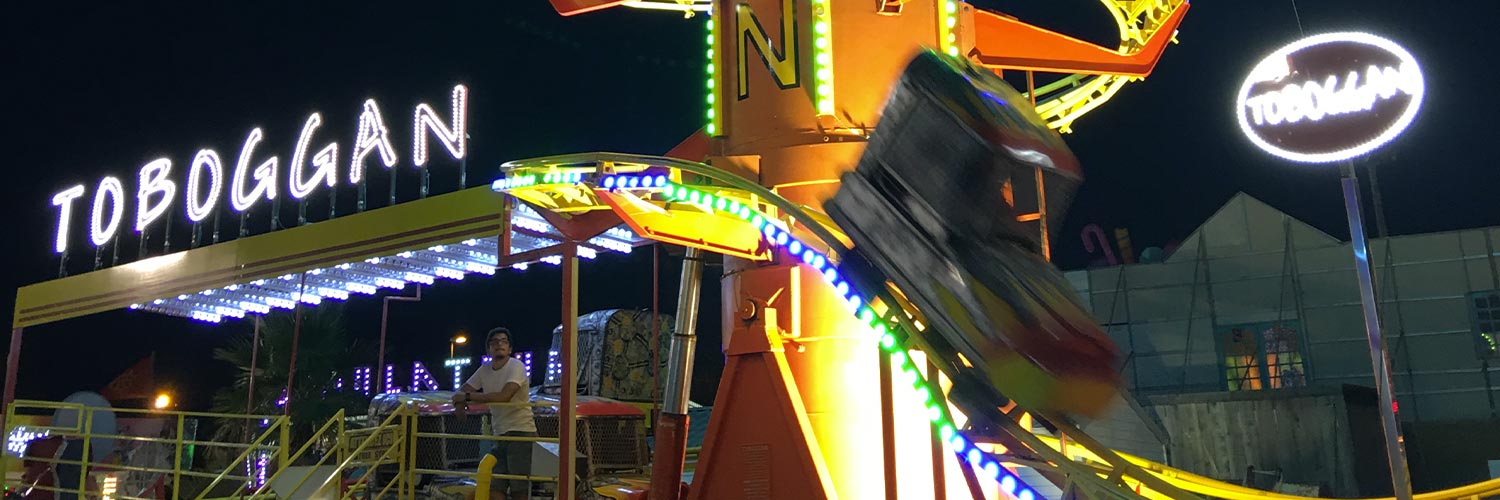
[[784, 64]]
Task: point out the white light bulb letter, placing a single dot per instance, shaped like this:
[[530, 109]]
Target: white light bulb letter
[[206, 159], [372, 136], [453, 138], [325, 171], [64, 201], [101, 232], [265, 176], [154, 180]]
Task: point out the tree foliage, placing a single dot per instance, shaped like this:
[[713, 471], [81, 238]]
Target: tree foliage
[[324, 353]]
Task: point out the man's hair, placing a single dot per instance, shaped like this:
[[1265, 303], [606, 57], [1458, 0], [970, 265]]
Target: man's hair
[[497, 331]]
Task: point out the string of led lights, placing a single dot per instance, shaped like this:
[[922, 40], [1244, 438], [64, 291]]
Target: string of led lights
[[858, 303], [638, 175], [777, 235], [366, 277], [947, 28], [714, 116], [823, 56], [1066, 100]]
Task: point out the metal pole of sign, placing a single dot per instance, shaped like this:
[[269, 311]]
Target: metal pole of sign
[[393, 187], [166, 236], [140, 251], [463, 168], [1395, 447]]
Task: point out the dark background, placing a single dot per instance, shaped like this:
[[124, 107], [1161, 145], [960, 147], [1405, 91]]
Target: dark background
[[102, 89]]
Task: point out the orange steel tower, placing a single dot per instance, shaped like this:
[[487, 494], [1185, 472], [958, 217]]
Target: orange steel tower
[[793, 88]]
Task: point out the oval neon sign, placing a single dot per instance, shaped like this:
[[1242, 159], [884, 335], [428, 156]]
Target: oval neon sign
[[1330, 97]]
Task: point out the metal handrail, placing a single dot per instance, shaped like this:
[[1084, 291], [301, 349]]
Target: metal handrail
[[83, 429], [278, 424], [286, 464], [345, 463]]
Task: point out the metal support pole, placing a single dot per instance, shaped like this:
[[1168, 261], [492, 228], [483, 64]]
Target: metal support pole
[[177, 458], [1394, 445], [291, 371], [567, 426], [385, 314], [283, 443], [656, 331], [250, 384], [887, 426], [685, 335], [12, 363], [1402, 352], [671, 427], [939, 455], [463, 168], [394, 172], [1041, 212]]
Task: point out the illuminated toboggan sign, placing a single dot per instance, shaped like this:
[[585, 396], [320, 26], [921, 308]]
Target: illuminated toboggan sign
[[308, 169], [1331, 97]]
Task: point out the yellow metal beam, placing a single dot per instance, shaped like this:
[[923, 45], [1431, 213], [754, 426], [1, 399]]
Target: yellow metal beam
[[444, 219]]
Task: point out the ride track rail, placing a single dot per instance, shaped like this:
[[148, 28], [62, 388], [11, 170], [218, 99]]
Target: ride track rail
[[586, 182], [1060, 102], [566, 179], [1063, 101]]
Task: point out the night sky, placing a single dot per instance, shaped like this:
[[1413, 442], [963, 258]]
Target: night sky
[[104, 89]]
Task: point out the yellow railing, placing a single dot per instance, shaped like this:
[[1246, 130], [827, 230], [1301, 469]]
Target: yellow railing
[[1219, 489], [114, 478], [484, 474], [389, 446]]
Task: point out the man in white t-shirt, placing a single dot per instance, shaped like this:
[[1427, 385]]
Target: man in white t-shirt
[[502, 385]]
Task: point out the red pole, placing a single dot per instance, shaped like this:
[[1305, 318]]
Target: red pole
[[250, 389], [568, 413], [296, 335], [672, 425], [12, 363], [655, 329]]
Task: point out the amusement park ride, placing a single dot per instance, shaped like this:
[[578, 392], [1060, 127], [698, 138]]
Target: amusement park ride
[[842, 379]]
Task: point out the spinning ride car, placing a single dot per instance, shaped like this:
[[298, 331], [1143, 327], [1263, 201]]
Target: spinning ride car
[[925, 208]]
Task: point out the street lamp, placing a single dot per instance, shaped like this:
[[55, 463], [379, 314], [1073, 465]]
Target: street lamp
[[163, 400], [452, 343]]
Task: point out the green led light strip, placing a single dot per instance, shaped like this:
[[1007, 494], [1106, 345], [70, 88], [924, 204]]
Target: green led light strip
[[823, 56], [714, 117], [892, 340], [947, 24]]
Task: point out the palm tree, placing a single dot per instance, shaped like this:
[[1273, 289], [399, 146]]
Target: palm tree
[[324, 353]]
